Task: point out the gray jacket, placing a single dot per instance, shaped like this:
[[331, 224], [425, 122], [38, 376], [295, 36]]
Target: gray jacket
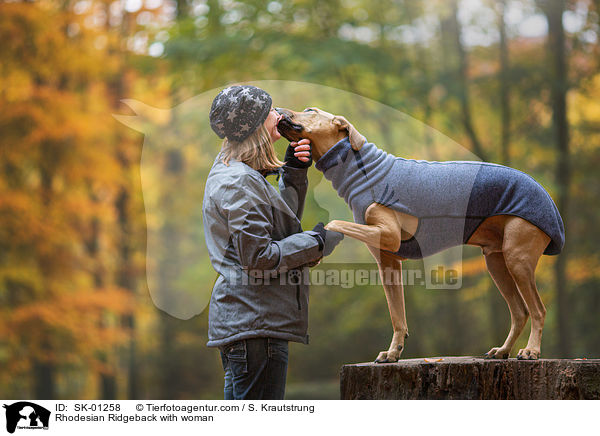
[[256, 244]]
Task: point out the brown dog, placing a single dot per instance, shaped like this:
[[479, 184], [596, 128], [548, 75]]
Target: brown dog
[[511, 245]]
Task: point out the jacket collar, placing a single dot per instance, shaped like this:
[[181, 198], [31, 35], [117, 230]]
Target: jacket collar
[[277, 171]]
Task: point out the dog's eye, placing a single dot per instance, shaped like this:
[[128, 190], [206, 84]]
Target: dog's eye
[[308, 109]]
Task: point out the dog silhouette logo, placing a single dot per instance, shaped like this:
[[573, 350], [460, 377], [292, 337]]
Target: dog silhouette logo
[[26, 415]]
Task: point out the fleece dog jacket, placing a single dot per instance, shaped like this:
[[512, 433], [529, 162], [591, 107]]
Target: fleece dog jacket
[[450, 199]]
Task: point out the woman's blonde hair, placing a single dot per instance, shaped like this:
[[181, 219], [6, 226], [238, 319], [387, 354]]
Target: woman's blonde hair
[[255, 151]]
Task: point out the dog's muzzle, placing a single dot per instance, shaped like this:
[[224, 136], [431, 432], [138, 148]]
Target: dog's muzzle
[[288, 129]]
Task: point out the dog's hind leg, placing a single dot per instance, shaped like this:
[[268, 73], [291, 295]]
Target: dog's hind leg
[[522, 246], [518, 310], [390, 271]]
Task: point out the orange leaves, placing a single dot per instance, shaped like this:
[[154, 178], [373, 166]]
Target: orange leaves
[[72, 323], [471, 266], [583, 269], [67, 310], [117, 300]]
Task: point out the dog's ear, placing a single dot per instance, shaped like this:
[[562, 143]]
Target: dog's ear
[[356, 139]]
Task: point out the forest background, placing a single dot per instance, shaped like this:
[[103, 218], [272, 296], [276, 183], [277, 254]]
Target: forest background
[[513, 82]]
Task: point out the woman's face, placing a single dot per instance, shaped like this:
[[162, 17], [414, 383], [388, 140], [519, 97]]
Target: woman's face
[[271, 124]]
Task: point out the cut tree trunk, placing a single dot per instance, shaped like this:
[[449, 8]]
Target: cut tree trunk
[[472, 378]]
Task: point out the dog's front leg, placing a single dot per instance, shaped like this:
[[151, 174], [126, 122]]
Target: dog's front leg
[[390, 271], [370, 235], [383, 230]]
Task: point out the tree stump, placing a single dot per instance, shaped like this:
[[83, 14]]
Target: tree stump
[[472, 378]]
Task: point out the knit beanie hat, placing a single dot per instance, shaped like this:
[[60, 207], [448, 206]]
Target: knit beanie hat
[[237, 111]]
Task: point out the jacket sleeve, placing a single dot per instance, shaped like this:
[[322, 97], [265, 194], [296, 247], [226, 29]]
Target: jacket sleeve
[[250, 223], [293, 185]]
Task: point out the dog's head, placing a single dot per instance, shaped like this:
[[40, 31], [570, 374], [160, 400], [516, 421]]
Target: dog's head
[[323, 129]]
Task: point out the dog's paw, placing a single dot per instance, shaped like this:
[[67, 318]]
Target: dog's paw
[[497, 353], [528, 354], [333, 226], [382, 357], [388, 357]]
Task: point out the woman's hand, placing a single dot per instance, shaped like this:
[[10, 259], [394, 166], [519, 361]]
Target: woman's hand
[[328, 238], [302, 149], [298, 154]]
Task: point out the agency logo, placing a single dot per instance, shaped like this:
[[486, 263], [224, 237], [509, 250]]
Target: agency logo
[[26, 415]]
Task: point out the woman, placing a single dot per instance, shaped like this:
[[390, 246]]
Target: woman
[[256, 244]]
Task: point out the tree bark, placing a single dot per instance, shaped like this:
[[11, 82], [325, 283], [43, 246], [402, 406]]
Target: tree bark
[[470, 378]]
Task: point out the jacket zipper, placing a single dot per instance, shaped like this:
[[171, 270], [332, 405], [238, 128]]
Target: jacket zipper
[[298, 295]]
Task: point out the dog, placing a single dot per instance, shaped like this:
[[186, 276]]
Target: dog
[[412, 209]]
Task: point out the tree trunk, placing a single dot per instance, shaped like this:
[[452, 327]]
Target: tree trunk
[[557, 53], [183, 9], [169, 269], [470, 378], [463, 82], [43, 379], [126, 281], [44, 370], [107, 380], [424, 83], [504, 86], [169, 378], [124, 276], [499, 326]]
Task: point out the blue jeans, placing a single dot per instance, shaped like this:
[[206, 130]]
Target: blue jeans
[[255, 369]]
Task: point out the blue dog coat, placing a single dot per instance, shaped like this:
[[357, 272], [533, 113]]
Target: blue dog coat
[[450, 199]]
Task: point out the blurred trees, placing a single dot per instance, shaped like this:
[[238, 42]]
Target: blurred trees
[[75, 317], [59, 299]]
